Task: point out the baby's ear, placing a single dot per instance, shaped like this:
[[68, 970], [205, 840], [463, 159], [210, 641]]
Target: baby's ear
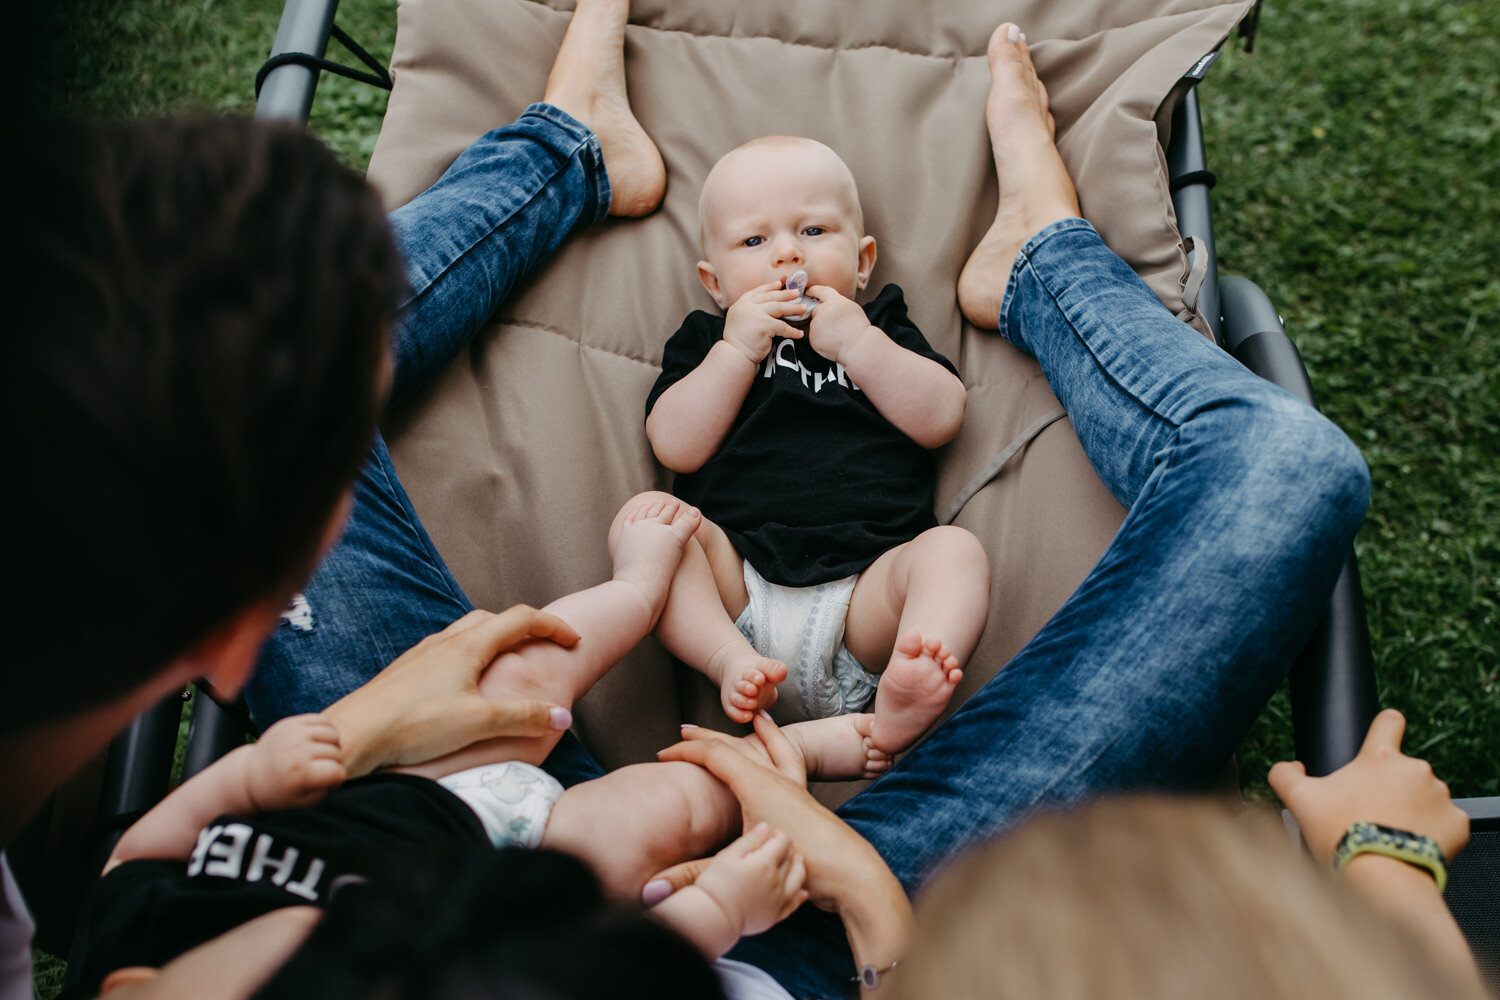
[[866, 260], [710, 279]]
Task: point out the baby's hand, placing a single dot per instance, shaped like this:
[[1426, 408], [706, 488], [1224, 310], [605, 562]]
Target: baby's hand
[[757, 880], [294, 763], [758, 317], [836, 324]]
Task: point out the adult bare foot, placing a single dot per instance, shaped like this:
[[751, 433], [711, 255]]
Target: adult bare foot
[[588, 82], [747, 681], [913, 692], [647, 546], [1035, 188]]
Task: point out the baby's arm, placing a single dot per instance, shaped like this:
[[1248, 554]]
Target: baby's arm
[[751, 885], [921, 398], [689, 420], [294, 763]]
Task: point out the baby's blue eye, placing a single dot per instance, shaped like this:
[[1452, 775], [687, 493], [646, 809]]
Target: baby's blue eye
[[754, 241], [813, 231]]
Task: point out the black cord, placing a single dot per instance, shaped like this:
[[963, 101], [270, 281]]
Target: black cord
[[1194, 177], [381, 77]]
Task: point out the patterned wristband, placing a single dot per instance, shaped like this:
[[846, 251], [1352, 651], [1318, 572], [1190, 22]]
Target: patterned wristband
[[1413, 848]]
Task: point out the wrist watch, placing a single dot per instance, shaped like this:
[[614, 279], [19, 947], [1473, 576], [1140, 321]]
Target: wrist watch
[[1415, 849]]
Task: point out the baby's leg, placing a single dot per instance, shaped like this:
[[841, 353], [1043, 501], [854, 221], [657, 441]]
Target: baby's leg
[[697, 625], [634, 822], [645, 544], [933, 593]]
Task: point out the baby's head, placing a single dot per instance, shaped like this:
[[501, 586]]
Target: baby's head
[[777, 205]]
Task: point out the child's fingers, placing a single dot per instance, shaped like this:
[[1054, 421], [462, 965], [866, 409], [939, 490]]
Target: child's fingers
[[1385, 732], [796, 875]]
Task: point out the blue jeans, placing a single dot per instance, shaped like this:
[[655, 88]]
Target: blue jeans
[[1241, 501]]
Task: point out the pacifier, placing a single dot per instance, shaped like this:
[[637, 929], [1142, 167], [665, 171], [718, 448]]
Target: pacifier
[[797, 282]]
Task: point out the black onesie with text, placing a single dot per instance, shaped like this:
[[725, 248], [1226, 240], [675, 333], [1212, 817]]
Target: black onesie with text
[[811, 483]]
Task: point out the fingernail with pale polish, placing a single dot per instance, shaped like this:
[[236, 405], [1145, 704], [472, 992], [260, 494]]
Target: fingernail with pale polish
[[688, 725], [560, 718], [1013, 33], [655, 891]]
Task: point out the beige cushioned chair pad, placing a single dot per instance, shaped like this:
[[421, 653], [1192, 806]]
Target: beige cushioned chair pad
[[520, 454]]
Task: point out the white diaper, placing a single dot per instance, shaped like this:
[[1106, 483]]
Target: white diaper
[[511, 799], [803, 627]]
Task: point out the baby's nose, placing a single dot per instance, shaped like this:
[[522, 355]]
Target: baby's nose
[[788, 251]]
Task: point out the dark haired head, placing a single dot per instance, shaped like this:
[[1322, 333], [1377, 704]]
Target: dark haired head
[[191, 375], [498, 925]]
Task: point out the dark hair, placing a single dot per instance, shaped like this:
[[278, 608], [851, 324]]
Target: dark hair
[[498, 925], [190, 379]]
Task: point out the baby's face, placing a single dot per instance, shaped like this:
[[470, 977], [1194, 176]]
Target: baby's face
[[776, 207]]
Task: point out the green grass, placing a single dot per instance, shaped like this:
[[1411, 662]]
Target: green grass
[[1358, 154]]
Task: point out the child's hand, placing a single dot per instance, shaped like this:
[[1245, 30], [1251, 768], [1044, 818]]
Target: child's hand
[[757, 880], [836, 324], [758, 317], [293, 764], [1381, 785]]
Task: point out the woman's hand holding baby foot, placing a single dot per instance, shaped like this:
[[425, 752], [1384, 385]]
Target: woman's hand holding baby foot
[[913, 691], [293, 764]]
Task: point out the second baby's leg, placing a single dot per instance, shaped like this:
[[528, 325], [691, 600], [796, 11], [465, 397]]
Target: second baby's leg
[[646, 543], [697, 624], [917, 613]]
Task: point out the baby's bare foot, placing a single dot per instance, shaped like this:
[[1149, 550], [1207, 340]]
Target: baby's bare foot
[[747, 681], [1035, 189], [839, 748], [588, 82], [647, 547], [913, 692]]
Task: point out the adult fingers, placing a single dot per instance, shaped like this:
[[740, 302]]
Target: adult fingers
[[1286, 777], [679, 876], [722, 760], [1385, 732], [525, 717], [491, 637], [784, 755]]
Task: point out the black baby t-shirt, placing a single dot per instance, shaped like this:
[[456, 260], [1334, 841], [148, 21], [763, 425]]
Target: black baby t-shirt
[[811, 483], [148, 912]]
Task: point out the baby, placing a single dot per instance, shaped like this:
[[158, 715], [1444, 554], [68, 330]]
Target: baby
[[802, 424], [275, 825]]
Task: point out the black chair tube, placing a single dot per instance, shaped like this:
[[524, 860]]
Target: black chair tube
[[1333, 680], [288, 90]]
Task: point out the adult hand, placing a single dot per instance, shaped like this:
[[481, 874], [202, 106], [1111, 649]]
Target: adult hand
[[427, 702], [839, 861], [1381, 785]]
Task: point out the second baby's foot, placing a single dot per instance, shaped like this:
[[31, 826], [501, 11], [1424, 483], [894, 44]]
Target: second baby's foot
[[839, 748], [747, 681], [648, 546], [913, 691]]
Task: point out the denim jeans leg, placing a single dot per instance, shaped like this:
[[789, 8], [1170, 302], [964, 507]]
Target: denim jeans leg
[[502, 208], [1242, 502]]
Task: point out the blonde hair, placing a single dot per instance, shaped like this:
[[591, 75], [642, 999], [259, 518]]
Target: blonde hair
[[1159, 898], [773, 142]]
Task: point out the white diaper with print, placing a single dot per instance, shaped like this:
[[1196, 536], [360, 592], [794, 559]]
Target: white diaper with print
[[513, 800], [803, 627]]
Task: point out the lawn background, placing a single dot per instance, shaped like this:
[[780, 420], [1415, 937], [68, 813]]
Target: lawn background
[[1358, 154]]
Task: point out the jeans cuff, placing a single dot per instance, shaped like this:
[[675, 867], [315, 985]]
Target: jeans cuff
[[1023, 258], [590, 153]]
